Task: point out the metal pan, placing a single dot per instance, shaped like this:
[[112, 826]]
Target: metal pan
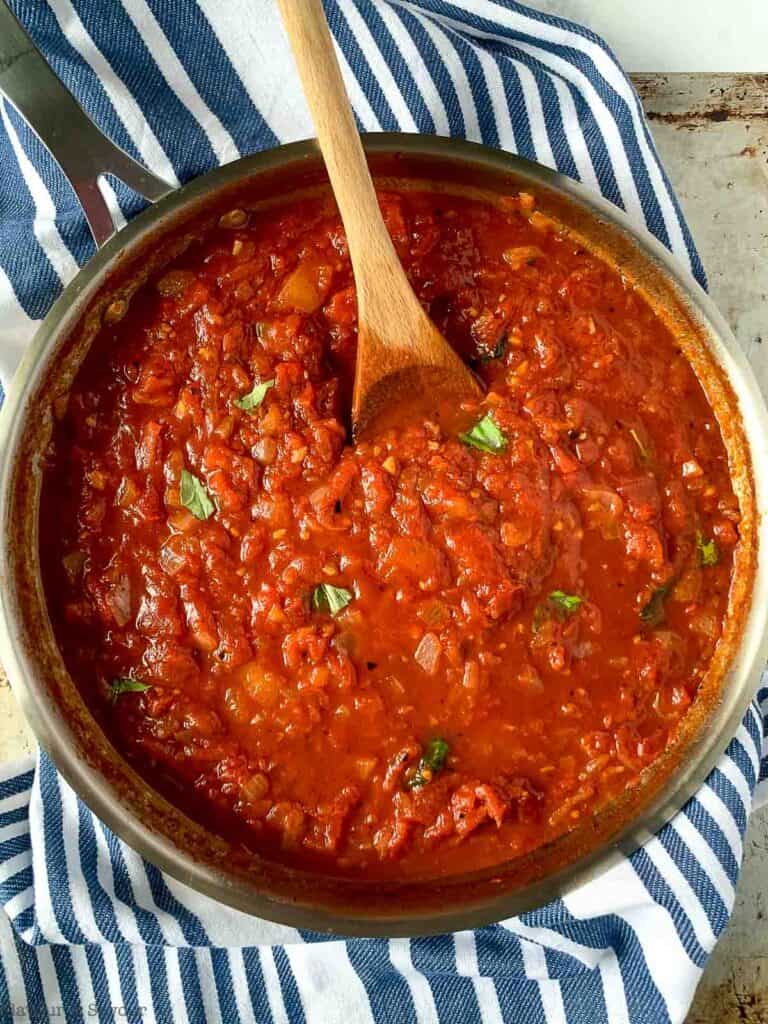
[[49, 697]]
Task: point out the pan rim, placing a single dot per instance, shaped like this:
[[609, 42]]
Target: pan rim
[[159, 849]]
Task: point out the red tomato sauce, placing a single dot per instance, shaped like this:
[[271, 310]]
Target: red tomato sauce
[[424, 654]]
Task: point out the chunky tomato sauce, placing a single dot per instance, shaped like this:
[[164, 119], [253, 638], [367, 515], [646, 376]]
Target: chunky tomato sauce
[[430, 652]]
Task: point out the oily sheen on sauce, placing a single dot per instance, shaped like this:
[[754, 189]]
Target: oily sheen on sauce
[[427, 653]]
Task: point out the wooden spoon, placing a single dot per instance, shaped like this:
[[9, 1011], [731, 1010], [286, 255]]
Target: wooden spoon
[[401, 355]]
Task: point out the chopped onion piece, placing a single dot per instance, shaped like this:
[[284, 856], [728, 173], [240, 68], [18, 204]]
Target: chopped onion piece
[[119, 600], [691, 468], [428, 653]]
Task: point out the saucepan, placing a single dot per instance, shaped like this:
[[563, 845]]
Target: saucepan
[[49, 698]]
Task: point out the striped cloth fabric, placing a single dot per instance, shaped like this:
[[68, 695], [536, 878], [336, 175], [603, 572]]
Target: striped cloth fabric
[[90, 930]]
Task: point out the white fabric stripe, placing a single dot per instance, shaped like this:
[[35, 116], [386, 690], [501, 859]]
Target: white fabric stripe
[[535, 964], [575, 135], [272, 985], [124, 914], [421, 993], [178, 80], [620, 891], [468, 966], [755, 709], [78, 889], [535, 112], [227, 927], [14, 830], [257, 48], [260, 56], [125, 106], [744, 737], [757, 719], [613, 75], [84, 981], [112, 973], [760, 795], [16, 330], [245, 1013], [357, 97], [143, 985], [12, 803], [14, 865], [554, 940], [175, 986], [20, 902], [413, 58], [46, 918], [715, 807], [683, 891], [48, 977], [615, 997], [44, 226], [110, 198], [212, 1009], [169, 926], [735, 776], [14, 979], [504, 128], [704, 856], [455, 71], [322, 971], [379, 67]]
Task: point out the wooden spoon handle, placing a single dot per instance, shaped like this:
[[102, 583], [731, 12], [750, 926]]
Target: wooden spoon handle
[[400, 352], [370, 246]]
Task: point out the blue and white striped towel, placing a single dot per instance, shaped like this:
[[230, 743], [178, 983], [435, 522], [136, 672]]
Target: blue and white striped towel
[[91, 931]]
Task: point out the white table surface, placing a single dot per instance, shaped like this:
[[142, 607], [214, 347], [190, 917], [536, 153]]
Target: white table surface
[[675, 35]]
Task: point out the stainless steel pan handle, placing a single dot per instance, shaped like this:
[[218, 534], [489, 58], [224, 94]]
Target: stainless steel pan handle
[[73, 140]]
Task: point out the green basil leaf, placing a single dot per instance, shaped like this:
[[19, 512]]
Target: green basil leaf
[[255, 396], [327, 598], [707, 550], [432, 761], [486, 436], [435, 754], [195, 497], [566, 604], [125, 685], [560, 604]]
